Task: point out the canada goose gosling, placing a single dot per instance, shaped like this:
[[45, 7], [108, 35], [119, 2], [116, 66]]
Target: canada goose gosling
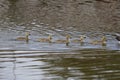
[[80, 40], [102, 41], [66, 41], [26, 38], [49, 39]]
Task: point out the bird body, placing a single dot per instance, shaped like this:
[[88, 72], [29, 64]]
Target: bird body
[[49, 39], [26, 38], [95, 42], [102, 42], [80, 40], [61, 41], [66, 41], [22, 38]]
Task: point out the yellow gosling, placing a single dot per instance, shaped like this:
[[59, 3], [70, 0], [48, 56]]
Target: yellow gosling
[[66, 41], [26, 38], [49, 39], [80, 40], [102, 42]]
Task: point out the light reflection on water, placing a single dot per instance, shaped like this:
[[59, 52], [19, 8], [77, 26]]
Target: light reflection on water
[[84, 64]]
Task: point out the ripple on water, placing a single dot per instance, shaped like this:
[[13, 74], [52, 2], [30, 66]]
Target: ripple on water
[[82, 64], [51, 61]]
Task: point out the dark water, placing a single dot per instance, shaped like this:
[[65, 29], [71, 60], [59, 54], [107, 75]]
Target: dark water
[[51, 61], [78, 65]]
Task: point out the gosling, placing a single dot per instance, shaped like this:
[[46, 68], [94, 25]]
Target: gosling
[[102, 42], [66, 41], [26, 38], [49, 39], [80, 40]]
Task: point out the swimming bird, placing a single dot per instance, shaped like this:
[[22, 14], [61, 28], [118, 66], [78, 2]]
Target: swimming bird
[[49, 39], [80, 40], [102, 42], [26, 38], [66, 41]]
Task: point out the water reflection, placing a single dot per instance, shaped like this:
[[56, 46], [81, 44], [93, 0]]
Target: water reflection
[[85, 64]]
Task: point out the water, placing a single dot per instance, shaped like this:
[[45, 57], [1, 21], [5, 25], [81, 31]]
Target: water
[[52, 61], [78, 65]]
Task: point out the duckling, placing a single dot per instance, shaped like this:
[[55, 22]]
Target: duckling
[[80, 40], [26, 38], [102, 41], [66, 41], [49, 39]]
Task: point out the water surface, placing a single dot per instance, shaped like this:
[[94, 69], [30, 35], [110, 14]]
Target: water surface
[[51, 61], [76, 65]]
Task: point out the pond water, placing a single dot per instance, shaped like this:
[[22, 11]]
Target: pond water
[[71, 65], [52, 61]]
